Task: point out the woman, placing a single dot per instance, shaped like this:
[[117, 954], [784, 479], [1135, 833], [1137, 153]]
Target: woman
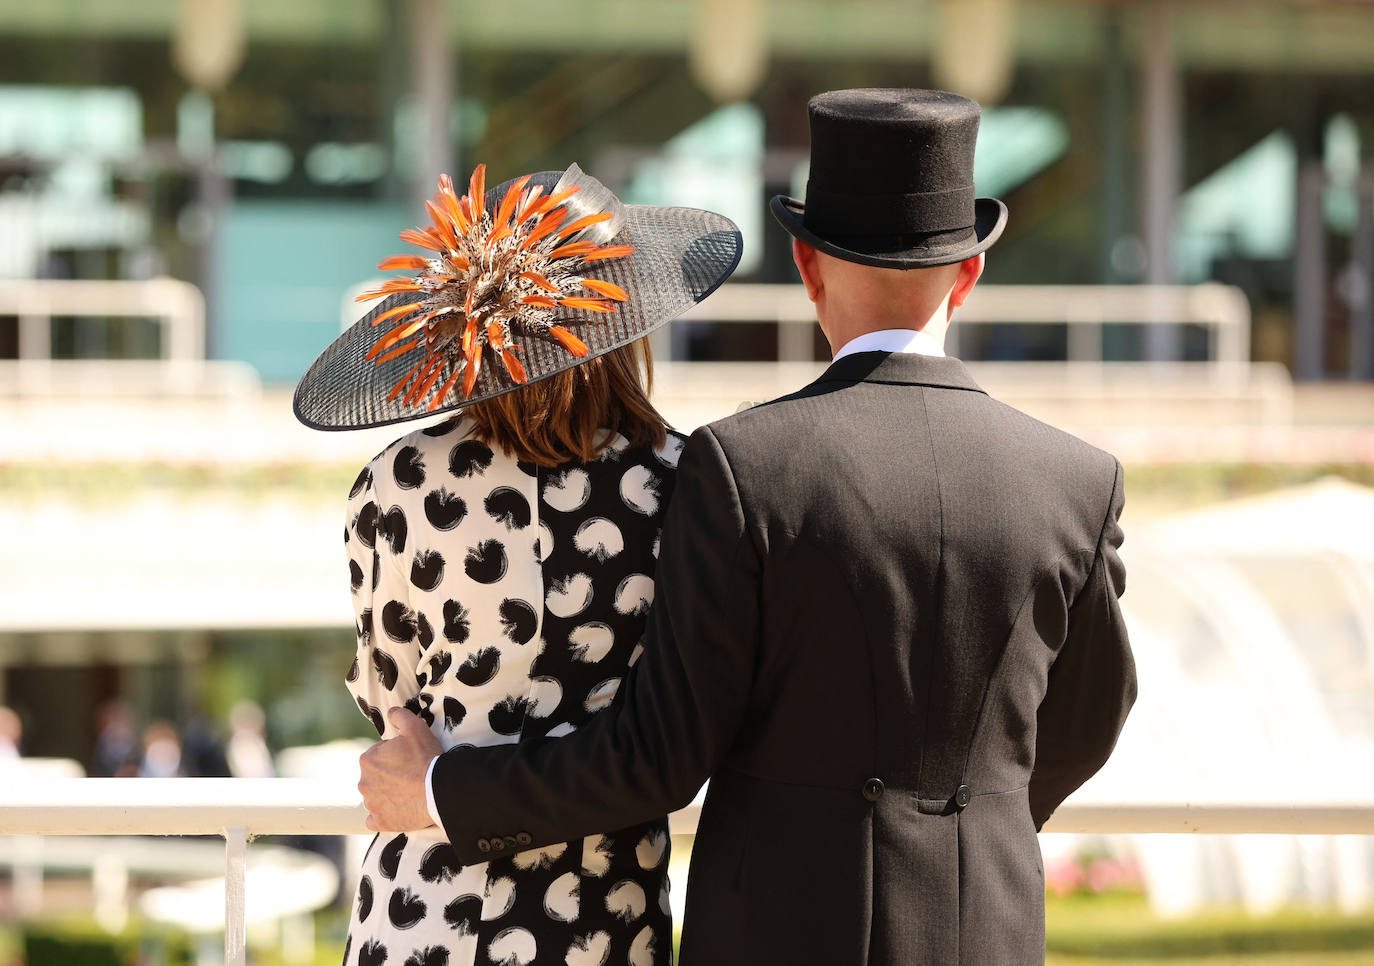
[[502, 560]]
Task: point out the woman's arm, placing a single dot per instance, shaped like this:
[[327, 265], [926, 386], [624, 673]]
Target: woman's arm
[[383, 672]]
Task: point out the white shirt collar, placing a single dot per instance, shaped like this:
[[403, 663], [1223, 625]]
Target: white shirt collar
[[892, 340]]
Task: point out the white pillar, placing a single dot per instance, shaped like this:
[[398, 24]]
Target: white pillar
[[1160, 164], [235, 892], [431, 82]]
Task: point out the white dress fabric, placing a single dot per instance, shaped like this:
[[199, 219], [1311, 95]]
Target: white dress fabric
[[504, 602]]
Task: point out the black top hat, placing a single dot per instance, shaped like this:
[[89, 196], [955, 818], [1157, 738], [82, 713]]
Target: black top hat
[[892, 180]]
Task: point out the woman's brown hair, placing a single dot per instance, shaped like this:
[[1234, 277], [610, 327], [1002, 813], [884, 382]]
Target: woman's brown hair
[[564, 417]]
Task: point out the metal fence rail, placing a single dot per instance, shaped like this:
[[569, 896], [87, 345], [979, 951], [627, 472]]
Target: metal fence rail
[[178, 308], [239, 809], [1085, 309]]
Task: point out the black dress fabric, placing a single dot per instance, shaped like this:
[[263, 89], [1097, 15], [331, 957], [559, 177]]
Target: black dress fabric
[[504, 603]]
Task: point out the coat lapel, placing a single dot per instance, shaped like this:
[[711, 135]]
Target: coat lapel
[[900, 368]]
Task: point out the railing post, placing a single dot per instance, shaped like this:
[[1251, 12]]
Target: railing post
[[235, 872], [794, 339], [1084, 336], [110, 883], [28, 875], [35, 336]]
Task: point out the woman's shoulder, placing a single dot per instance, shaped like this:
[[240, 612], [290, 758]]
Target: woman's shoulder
[[671, 450], [446, 450], [662, 458]]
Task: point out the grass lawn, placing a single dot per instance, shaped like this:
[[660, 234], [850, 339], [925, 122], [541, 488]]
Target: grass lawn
[[1121, 931], [1088, 931], [1357, 958]]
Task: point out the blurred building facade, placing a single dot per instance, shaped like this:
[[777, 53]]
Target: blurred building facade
[[181, 552], [267, 151]]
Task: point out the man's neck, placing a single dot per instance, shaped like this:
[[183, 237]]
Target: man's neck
[[910, 341], [847, 330]]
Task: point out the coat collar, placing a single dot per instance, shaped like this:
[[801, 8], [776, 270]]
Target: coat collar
[[901, 368]]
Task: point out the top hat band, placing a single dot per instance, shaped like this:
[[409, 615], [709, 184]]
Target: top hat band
[[917, 212]]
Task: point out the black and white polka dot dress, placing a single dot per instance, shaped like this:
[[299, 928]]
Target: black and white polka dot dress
[[503, 602]]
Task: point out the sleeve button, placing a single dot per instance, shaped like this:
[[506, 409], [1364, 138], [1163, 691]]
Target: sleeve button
[[524, 838], [483, 845], [497, 845], [511, 842]]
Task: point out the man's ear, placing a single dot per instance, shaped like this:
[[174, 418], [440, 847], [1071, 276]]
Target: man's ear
[[805, 257], [969, 271]]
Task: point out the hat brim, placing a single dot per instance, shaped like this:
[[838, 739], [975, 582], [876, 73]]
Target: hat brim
[[681, 256], [989, 219]]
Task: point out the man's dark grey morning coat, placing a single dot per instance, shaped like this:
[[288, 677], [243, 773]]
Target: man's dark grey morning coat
[[887, 630]]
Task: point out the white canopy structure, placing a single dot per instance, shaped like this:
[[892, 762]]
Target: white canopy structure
[[1253, 628]]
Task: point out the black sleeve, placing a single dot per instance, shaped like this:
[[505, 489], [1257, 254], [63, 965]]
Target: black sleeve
[[678, 708], [1092, 683]]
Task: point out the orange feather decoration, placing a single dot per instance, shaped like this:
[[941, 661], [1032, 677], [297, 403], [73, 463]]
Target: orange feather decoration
[[445, 389], [396, 263], [513, 366], [586, 222], [396, 389], [572, 249], [570, 342], [396, 312], [422, 237], [587, 305], [540, 281], [609, 251], [608, 289], [501, 276]]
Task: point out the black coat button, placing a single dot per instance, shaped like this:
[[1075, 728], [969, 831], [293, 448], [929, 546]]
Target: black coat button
[[511, 842], [963, 795], [483, 845], [873, 789], [497, 845], [523, 838]]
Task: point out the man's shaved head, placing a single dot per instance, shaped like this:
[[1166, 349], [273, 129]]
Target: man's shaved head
[[852, 299]]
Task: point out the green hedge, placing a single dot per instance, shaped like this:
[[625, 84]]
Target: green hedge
[[80, 942], [1120, 928]]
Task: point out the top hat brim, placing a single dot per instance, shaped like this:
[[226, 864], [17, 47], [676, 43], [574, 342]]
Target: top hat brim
[[989, 219], [681, 256]]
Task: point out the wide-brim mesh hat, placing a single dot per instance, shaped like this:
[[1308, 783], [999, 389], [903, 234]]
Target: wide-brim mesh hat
[[679, 256]]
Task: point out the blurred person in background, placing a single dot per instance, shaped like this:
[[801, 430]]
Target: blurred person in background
[[203, 751], [161, 751], [11, 734], [116, 743], [887, 627], [247, 752], [502, 561]]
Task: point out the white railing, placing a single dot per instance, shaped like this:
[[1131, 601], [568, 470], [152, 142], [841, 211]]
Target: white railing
[[1085, 309], [239, 809], [178, 308]]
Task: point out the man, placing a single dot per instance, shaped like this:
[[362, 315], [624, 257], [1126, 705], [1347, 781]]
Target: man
[[886, 627]]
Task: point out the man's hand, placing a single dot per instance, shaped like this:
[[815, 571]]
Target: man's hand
[[393, 782]]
